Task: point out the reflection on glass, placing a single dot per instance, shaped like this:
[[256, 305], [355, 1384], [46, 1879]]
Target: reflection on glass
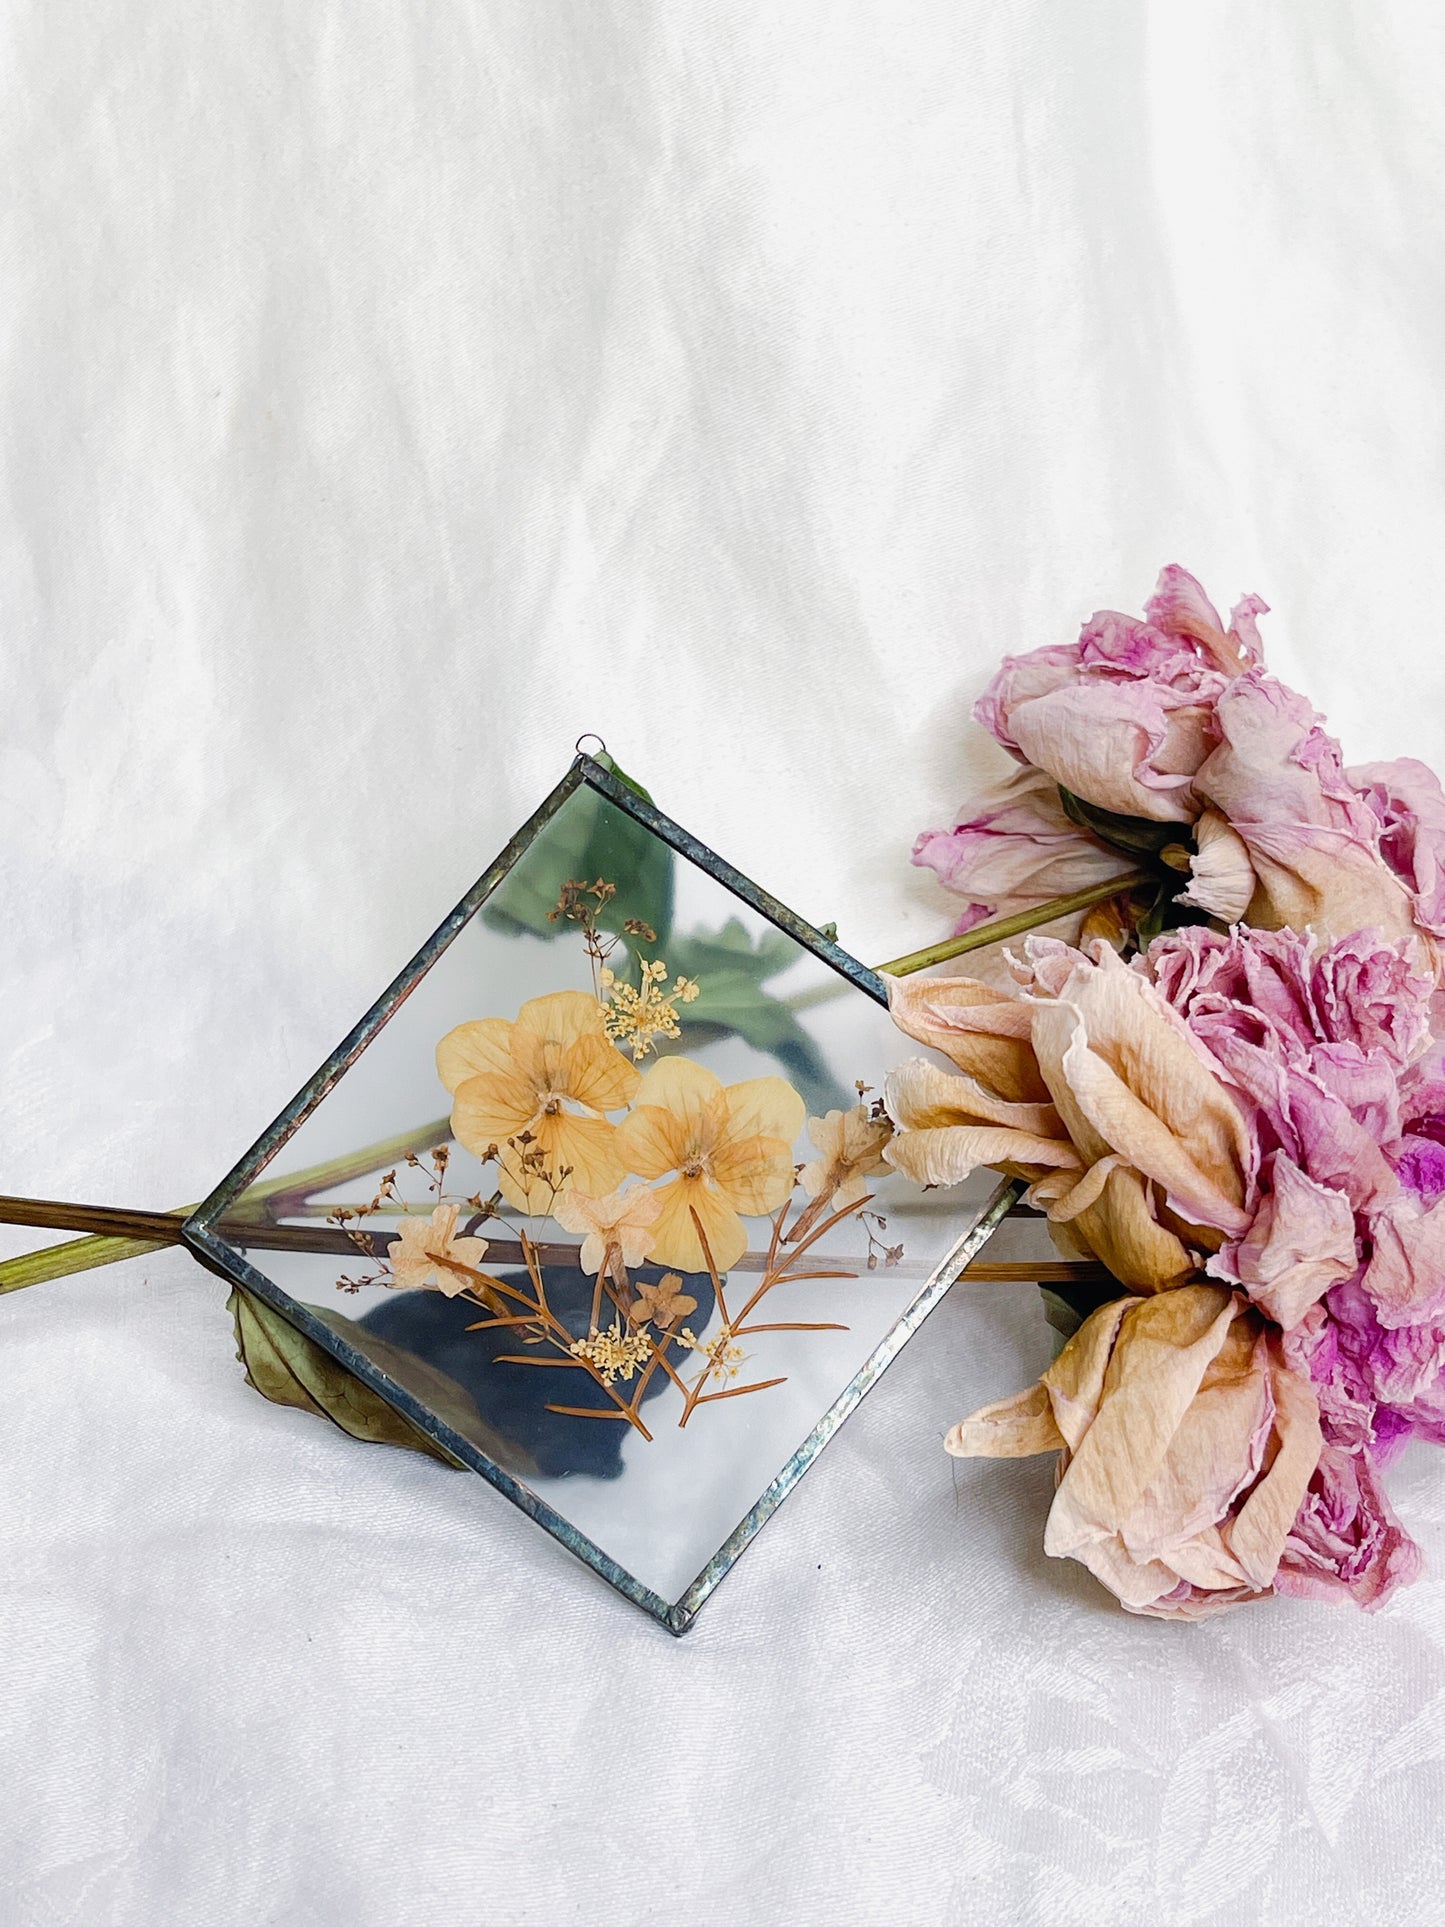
[[606, 1194]]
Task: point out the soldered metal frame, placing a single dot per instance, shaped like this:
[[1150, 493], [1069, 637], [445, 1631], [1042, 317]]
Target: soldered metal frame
[[222, 1257]]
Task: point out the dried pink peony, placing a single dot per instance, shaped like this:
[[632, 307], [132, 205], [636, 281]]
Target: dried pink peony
[[1278, 781], [1345, 1538], [1122, 717], [1140, 1154], [1245, 1124], [1186, 1449]]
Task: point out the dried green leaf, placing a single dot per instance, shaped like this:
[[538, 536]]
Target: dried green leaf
[[1137, 835], [288, 1368]]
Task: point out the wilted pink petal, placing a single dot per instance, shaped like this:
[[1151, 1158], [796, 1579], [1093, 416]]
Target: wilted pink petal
[[1222, 879], [1180, 607], [1124, 746], [1245, 630], [1275, 764], [1406, 799], [1016, 848], [1405, 1278], [1279, 781], [1301, 1242], [1345, 1537], [1376, 995], [1123, 717]]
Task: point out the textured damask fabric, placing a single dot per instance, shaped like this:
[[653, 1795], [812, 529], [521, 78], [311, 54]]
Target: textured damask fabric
[[391, 393]]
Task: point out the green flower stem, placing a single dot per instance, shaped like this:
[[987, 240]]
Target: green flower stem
[[263, 1203], [1000, 929]]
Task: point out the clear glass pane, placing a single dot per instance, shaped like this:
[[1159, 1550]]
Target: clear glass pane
[[653, 1410]]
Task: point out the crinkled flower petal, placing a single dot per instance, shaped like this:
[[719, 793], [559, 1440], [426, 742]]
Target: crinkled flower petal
[[1301, 1242], [1222, 879], [947, 1126], [986, 1032], [1014, 848], [677, 1242], [1186, 1449]]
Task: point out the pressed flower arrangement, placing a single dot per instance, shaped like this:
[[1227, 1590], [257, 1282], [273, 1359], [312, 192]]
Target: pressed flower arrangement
[[1225, 1086]]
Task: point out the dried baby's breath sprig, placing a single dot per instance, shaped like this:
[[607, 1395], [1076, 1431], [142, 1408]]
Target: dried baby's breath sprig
[[724, 1357], [614, 1355], [580, 903], [636, 1017]]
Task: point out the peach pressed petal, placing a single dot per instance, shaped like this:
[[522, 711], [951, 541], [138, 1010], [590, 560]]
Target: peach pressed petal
[[764, 1107], [754, 1174], [426, 1254], [595, 1073], [473, 1050], [652, 1141], [677, 1242], [679, 1085], [583, 1146], [562, 1016], [489, 1109], [624, 1218]]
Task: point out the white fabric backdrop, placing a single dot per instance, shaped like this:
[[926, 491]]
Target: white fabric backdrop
[[390, 394]]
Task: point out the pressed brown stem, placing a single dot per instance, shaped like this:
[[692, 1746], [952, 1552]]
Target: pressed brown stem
[[158, 1227], [164, 1228]]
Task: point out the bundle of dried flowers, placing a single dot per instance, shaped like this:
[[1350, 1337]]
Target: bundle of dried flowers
[[1230, 1091]]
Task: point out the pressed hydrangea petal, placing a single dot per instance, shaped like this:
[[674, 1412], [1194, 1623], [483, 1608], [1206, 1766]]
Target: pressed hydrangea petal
[[474, 1050], [754, 1174], [596, 1074], [677, 1242]]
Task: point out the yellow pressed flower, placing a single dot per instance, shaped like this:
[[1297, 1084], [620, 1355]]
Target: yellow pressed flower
[[512, 1085], [728, 1150], [428, 1256], [666, 1301], [623, 1219], [851, 1144]]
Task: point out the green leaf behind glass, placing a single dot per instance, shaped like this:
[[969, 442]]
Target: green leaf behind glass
[[589, 838], [731, 971]]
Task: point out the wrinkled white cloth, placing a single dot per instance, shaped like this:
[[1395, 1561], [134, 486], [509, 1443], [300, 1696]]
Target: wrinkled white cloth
[[391, 393]]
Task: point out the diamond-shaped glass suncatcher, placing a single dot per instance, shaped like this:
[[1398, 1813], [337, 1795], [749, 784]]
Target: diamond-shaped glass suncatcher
[[611, 1011]]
